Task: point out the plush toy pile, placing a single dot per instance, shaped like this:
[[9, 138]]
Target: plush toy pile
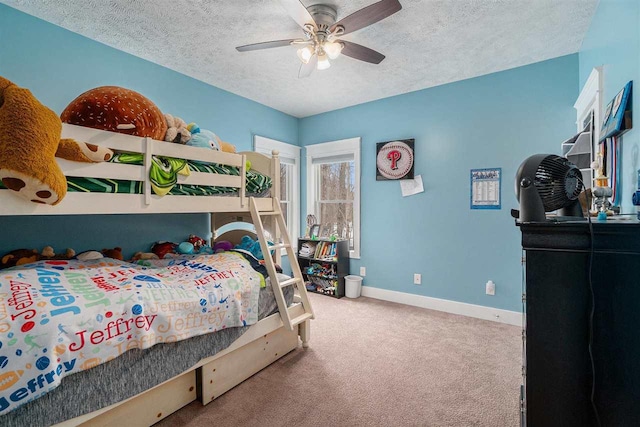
[[30, 135], [27, 256], [193, 245], [19, 257], [117, 109], [197, 245]]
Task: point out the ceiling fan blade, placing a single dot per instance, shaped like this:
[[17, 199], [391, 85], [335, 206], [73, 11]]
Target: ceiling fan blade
[[307, 69], [298, 12], [368, 15], [265, 45], [360, 52]]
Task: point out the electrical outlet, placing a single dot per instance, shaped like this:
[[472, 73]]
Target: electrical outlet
[[417, 279], [363, 271], [490, 288]]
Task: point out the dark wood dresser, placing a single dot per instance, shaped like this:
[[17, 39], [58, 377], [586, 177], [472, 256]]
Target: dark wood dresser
[[558, 372]]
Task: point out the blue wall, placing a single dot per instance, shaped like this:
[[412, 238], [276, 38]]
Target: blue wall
[[496, 120], [613, 42], [57, 65], [491, 121]]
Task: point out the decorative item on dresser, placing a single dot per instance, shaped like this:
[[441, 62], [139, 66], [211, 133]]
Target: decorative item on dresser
[[324, 265]]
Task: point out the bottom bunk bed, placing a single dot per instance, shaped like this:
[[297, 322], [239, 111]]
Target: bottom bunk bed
[[140, 386]]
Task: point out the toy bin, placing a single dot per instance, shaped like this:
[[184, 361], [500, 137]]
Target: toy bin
[[352, 286]]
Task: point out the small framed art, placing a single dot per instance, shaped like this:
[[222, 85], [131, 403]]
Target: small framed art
[[485, 188], [394, 160]]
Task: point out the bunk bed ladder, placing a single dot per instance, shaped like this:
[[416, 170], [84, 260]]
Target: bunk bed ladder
[[296, 281]]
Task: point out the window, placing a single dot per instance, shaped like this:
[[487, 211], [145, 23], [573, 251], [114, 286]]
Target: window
[[289, 180], [588, 109], [333, 189]]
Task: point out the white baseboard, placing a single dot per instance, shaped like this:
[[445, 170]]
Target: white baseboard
[[454, 307]]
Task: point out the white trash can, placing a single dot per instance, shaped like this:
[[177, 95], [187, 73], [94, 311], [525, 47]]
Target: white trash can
[[352, 286]]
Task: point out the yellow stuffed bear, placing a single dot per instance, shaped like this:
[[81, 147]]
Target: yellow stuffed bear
[[30, 141]]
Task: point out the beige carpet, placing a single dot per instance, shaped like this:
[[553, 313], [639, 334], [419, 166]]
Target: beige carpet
[[375, 363]]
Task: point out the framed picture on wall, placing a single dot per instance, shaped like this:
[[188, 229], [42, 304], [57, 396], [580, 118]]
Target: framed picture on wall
[[617, 118], [485, 188], [394, 160]]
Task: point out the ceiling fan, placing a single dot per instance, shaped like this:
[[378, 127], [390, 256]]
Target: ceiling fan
[[321, 32]]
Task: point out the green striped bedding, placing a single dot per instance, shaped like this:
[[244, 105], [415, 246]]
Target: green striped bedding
[[257, 184]]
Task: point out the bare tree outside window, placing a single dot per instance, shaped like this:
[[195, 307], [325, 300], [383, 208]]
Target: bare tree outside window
[[336, 187]]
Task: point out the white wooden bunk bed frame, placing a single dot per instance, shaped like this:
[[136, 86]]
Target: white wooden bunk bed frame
[[264, 342]]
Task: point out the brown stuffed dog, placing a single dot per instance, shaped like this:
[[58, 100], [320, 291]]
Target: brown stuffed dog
[[29, 142], [19, 257]]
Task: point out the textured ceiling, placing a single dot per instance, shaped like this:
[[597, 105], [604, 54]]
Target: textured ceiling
[[427, 43]]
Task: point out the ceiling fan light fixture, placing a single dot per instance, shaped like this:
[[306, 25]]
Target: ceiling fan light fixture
[[323, 33], [305, 54], [332, 49], [323, 61]]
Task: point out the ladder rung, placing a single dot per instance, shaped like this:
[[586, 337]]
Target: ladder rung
[[290, 282], [279, 246], [297, 320], [273, 213]]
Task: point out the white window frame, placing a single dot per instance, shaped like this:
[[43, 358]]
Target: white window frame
[[590, 102], [289, 154], [343, 147], [590, 99]]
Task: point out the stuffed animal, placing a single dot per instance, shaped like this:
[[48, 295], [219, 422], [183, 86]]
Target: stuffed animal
[[143, 256], [176, 130], [226, 146], [222, 246], [30, 141], [116, 109], [48, 253], [253, 246], [194, 245], [19, 257], [185, 248], [202, 138], [115, 253], [197, 242], [206, 139], [89, 255], [206, 250], [164, 249]]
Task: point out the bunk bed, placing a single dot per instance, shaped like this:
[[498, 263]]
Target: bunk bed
[[201, 367]]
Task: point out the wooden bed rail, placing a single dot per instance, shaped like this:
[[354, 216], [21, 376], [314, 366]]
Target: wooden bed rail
[[105, 203]]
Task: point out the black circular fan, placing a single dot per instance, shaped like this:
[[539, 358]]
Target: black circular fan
[[545, 183]]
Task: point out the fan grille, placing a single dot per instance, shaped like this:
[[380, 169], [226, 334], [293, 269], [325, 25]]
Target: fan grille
[[558, 182]]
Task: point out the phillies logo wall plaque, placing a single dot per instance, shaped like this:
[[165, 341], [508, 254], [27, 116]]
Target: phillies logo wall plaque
[[394, 160]]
